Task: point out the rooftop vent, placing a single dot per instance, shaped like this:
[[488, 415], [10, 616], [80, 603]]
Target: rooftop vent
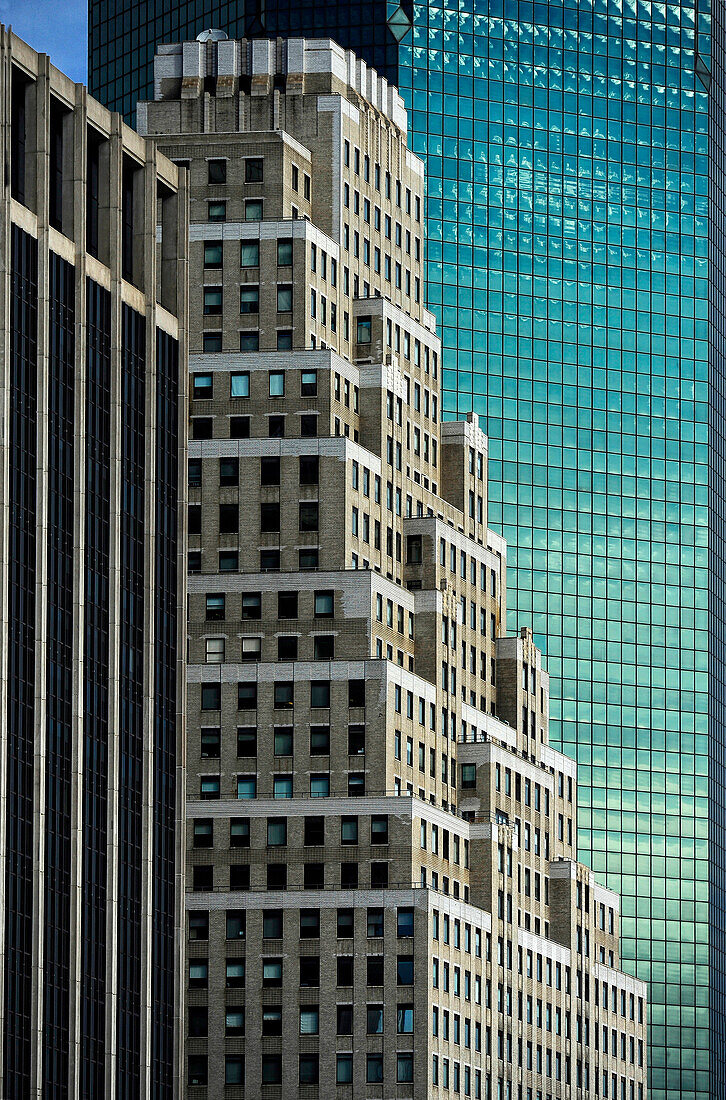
[[212, 35]]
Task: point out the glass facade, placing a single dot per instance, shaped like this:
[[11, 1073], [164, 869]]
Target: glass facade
[[571, 148]]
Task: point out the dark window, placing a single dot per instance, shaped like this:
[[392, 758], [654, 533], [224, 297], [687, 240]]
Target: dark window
[[236, 924], [269, 471], [269, 517], [247, 740], [212, 342], [253, 169], [239, 427], [308, 516], [211, 696], [309, 1074], [197, 1067], [309, 425], [287, 605], [314, 831], [229, 471], [356, 740], [276, 427], [344, 1019], [247, 695], [287, 647], [344, 970], [374, 970], [379, 875], [210, 741], [217, 171], [320, 693], [314, 876], [309, 970], [324, 647], [202, 427], [229, 520], [251, 605], [356, 693], [379, 829], [309, 469], [269, 561], [284, 694], [308, 559], [198, 925], [239, 832], [194, 520], [203, 877]]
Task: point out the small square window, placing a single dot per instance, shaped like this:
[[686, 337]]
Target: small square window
[[239, 427], [320, 693], [211, 342], [309, 425], [249, 341], [308, 559], [309, 469], [253, 210], [284, 340], [228, 561], [202, 427], [324, 604], [276, 427], [308, 519], [269, 561], [216, 171], [217, 211], [215, 651]]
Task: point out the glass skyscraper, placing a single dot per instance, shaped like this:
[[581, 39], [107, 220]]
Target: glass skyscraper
[[574, 153]]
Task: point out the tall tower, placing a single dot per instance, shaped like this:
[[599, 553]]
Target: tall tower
[[92, 454], [383, 885]]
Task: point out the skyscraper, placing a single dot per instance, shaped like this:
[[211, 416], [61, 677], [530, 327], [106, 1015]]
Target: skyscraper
[[92, 453], [384, 896], [576, 273]]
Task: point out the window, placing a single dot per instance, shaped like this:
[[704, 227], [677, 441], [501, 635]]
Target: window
[[253, 169], [211, 696], [217, 211], [236, 924], [404, 1067], [234, 1021], [344, 1067], [272, 1020], [249, 254], [209, 786], [247, 695], [319, 786], [210, 741], [271, 968], [246, 786], [314, 831], [320, 693], [203, 831], [249, 299], [309, 1074], [239, 427], [269, 470], [319, 740], [309, 1020], [253, 210], [216, 171], [404, 921], [212, 253], [356, 740], [284, 298], [251, 605], [212, 300], [364, 330], [211, 342], [324, 602], [247, 741], [308, 559], [270, 517], [251, 649], [214, 651], [284, 252], [308, 515], [374, 1019], [284, 694], [277, 383], [198, 925], [404, 970], [239, 384], [283, 740], [235, 973], [309, 924], [374, 1068], [197, 1069], [309, 467], [308, 383], [284, 340], [198, 973], [271, 1063], [228, 519]]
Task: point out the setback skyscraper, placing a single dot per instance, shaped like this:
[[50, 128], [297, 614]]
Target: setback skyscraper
[[92, 452], [384, 897], [576, 270]]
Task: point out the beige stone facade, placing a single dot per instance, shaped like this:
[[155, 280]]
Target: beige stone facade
[[383, 893]]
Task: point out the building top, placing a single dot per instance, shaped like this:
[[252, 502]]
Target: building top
[[33, 66], [318, 65]]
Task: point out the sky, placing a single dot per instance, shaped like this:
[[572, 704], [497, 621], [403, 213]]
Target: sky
[[57, 27]]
